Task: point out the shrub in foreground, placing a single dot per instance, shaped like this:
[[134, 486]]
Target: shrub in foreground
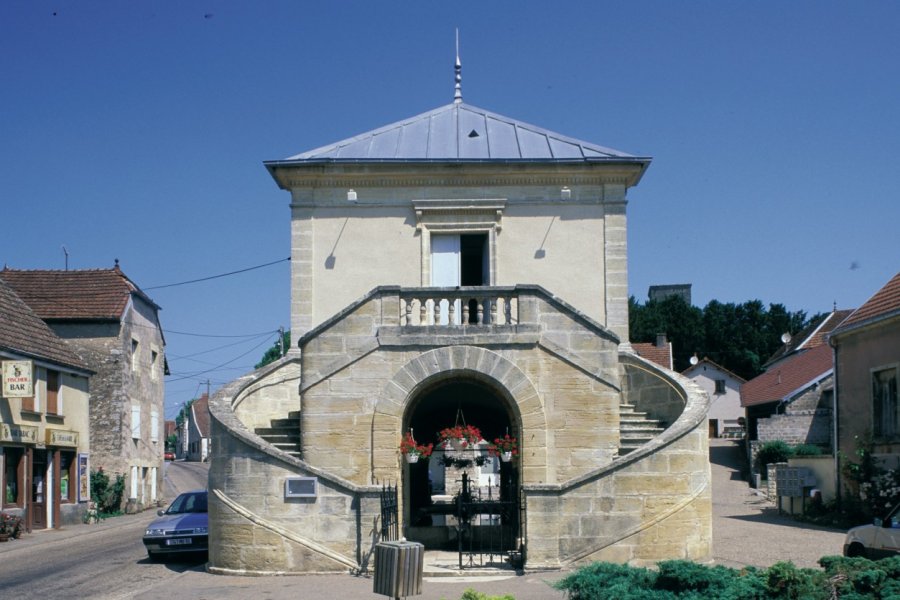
[[845, 578]]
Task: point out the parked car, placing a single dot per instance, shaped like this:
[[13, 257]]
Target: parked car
[[169, 456], [181, 528], [878, 540]]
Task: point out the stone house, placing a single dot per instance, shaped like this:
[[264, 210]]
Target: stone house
[[867, 370], [458, 267], [659, 352], [114, 328], [724, 389], [44, 421], [197, 430]]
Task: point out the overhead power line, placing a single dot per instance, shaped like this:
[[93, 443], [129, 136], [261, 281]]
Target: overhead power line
[[168, 285]]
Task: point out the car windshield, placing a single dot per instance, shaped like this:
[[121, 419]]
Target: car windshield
[[192, 502]]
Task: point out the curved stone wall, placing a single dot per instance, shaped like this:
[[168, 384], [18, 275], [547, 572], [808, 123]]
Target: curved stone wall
[[649, 505]]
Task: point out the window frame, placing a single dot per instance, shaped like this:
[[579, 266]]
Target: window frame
[[878, 405]]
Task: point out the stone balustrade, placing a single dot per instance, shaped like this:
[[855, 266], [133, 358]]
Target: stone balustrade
[[458, 306]]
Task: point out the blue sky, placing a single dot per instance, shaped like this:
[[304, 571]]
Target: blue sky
[[137, 131]]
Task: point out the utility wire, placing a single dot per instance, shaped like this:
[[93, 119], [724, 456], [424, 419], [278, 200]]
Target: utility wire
[[168, 285]]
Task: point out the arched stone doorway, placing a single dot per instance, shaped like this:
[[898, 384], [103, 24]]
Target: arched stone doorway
[[433, 487]]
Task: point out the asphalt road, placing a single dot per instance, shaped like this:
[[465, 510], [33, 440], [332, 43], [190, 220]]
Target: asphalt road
[[105, 561]]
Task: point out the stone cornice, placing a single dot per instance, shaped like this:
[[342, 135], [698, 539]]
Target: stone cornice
[[392, 175]]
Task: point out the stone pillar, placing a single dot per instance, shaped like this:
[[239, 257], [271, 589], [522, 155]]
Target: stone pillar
[[301, 264], [615, 257]]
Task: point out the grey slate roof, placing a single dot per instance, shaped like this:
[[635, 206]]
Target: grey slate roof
[[460, 132], [22, 332]]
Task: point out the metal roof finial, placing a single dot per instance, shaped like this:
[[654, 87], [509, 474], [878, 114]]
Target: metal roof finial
[[457, 94]]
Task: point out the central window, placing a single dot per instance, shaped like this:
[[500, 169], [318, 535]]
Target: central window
[[884, 403]]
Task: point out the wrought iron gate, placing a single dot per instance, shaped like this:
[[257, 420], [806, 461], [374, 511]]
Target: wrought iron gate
[[488, 526], [390, 524]]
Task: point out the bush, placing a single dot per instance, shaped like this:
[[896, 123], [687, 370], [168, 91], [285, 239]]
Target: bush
[[471, 594], [845, 578], [807, 450], [107, 497], [772, 452]]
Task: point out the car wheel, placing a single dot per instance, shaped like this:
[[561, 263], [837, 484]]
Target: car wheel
[[856, 549]]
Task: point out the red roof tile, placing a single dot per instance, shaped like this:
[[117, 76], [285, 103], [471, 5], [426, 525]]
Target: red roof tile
[[661, 355], [885, 302], [23, 332], [705, 361], [62, 295], [788, 377]]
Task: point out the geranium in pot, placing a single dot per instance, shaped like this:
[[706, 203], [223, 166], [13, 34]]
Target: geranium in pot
[[505, 447], [412, 450], [459, 437]]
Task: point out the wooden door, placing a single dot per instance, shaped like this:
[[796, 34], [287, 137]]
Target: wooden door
[[39, 489]]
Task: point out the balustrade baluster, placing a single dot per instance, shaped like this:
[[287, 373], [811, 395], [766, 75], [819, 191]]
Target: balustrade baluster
[[480, 317], [423, 312], [451, 312], [465, 312], [493, 304], [437, 311]]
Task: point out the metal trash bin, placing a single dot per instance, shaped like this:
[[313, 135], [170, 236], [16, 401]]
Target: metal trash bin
[[398, 568]]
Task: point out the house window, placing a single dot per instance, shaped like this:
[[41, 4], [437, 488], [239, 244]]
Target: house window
[[135, 421], [154, 364], [54, 401], [12, 475], [720, 386], [884, 402], [134, 355], [67, 476]]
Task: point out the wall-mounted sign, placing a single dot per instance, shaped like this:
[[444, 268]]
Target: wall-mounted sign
[[18, 381], [58, 437], [18, 433]]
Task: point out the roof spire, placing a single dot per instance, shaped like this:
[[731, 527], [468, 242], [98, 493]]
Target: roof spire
[[457, 94]]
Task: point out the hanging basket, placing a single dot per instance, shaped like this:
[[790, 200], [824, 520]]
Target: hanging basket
[[506, 456], [412, 458]]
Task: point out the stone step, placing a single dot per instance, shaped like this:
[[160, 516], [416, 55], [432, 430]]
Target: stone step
[[286, 423]]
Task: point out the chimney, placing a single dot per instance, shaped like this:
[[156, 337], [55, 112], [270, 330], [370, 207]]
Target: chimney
[[661, 340]]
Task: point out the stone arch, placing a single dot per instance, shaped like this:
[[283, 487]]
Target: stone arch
[[448, 362]]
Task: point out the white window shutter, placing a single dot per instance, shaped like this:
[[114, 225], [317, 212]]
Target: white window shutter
[[154, 426], [135, 421]]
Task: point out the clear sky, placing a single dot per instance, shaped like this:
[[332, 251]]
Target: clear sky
[[137, 130]]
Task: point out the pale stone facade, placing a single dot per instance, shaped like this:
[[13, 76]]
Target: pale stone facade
[[536, 347]]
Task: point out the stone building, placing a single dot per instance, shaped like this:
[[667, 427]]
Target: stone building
[[724, 389], [114, 328], [197, 430], [44, 423], [867, 370], [458, 266]]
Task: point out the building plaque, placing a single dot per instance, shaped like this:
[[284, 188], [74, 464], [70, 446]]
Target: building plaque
[[25, 434], [59, 437], [18, 381]]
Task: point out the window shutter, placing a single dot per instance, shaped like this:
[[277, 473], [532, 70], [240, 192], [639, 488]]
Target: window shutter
[[154, 426], [28, 404], [135, 421], [52, 392]]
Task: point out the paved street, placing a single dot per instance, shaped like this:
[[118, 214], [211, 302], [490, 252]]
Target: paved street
[[108, 560]]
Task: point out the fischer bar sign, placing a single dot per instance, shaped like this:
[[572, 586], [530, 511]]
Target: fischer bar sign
[[18, 381]]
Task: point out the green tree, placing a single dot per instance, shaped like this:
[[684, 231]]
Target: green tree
[[171, 442], [276, 351], [740, 337]]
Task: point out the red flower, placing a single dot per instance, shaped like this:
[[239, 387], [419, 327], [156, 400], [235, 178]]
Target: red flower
[[409, 446]]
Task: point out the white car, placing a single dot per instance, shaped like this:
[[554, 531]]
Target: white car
[[878, 540]]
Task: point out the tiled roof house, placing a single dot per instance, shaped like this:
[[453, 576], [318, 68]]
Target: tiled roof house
[[198, 430], [724, 389], [44, 430], [114, 328], [867, 371]]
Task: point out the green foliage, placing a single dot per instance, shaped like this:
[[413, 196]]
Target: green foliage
[[107, 496], [807, 450], [740, 337], [876, 489], [471, 594], [171, 442], [773, 452], [276, 351], [845, 578]]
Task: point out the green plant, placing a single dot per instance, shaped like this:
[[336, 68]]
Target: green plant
[[10, 525], [772, 452], [503, 445], [471, 594], [807, 450], [107, 495], [408, 445]]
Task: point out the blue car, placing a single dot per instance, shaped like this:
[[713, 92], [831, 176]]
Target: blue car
[[181, 528]]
